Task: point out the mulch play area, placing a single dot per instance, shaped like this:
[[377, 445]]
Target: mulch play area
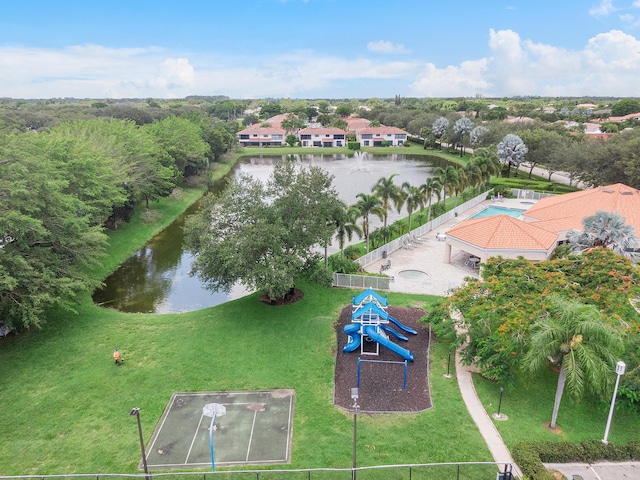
[[381, 384]]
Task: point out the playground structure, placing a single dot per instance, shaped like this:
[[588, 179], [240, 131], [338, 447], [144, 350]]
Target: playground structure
[[370, 321]]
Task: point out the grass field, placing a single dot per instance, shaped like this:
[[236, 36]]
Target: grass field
[[66, 405], [69, 403]]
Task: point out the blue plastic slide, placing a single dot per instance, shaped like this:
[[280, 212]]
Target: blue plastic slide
[[372, 333], [401, 326], [391, 331], [353, 330]]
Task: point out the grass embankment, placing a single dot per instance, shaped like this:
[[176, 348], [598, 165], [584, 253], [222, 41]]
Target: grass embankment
[[66, 404]]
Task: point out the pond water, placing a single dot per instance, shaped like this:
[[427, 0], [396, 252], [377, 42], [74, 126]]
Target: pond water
[[156, 278]]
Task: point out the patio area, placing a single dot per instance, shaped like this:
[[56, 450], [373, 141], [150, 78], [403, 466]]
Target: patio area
[[429, 256]]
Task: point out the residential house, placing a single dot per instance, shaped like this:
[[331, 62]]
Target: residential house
[[258, 136], [322, 137], [381, 136]]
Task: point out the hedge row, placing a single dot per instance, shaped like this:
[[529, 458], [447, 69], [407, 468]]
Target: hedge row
[[529, 456]]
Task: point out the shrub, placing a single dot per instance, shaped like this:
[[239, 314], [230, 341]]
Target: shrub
[[321, 276], [352, 252], [530, 455], [353, 145], [343, 265]]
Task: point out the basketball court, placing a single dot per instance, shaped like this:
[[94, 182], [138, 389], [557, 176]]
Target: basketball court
[[249, 428]]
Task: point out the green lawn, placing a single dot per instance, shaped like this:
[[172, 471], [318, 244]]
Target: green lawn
[[66, 404], [529, 405]]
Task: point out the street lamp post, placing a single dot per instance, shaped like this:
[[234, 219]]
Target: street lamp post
[[620, 368], [354, 396], [500, 401], [448, 375], [135, 412]]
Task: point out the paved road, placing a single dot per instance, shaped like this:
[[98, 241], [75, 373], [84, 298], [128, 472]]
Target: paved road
[[597, 471]]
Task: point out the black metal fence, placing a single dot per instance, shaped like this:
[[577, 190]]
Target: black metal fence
[[432, 471]]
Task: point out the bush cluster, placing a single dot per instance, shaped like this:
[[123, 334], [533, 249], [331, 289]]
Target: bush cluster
[[530, 455]]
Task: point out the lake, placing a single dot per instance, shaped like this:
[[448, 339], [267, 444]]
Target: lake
[[156, 278]]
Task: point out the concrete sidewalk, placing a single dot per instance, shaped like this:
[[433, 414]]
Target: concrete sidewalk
[[488, 430]]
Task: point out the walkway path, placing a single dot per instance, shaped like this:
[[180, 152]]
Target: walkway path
[[488, 430]]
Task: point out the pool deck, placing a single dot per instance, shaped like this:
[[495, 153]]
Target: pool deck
[[429, 257]]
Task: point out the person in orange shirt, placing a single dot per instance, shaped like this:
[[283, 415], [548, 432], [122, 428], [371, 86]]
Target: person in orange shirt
[[116, 357]]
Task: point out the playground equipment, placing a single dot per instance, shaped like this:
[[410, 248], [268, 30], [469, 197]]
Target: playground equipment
[[370, 320]]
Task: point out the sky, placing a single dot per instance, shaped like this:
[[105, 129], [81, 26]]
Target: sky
[[308, 49]]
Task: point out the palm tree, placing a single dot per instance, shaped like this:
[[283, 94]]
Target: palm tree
[[388, 192], [473, 174], [488, 162], [608, 230], [367, 205], [430, 187], [346, 226], [439, 129], [448, 178], [475, 137], [511, 151], [462, 128], [576, 338], [414, 199]]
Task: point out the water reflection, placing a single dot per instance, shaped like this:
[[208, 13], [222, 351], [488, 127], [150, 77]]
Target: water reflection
[[156, 278]]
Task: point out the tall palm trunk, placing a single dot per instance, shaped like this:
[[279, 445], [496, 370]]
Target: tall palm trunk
[[562, 378]]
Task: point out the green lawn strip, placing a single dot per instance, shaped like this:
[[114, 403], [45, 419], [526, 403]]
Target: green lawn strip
[[69, 403], [530, 404], [413, 149]]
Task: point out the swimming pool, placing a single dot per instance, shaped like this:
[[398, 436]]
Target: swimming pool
[[493, 210]]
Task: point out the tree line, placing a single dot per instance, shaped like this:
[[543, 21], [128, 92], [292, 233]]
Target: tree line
[[60, 188]]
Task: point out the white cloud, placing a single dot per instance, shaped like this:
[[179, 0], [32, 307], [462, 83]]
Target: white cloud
[[604, 8], [382, 46], [177, 72], [609, 64]]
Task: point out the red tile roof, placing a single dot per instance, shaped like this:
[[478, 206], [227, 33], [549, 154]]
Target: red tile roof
[[382, 130], [502, 232], [257, 129], [321, 131], [569, 209]]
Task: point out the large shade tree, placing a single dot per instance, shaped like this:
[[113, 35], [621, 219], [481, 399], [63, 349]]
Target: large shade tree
[[574, 337], [498, 311], [264, 235], [49, 241]]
